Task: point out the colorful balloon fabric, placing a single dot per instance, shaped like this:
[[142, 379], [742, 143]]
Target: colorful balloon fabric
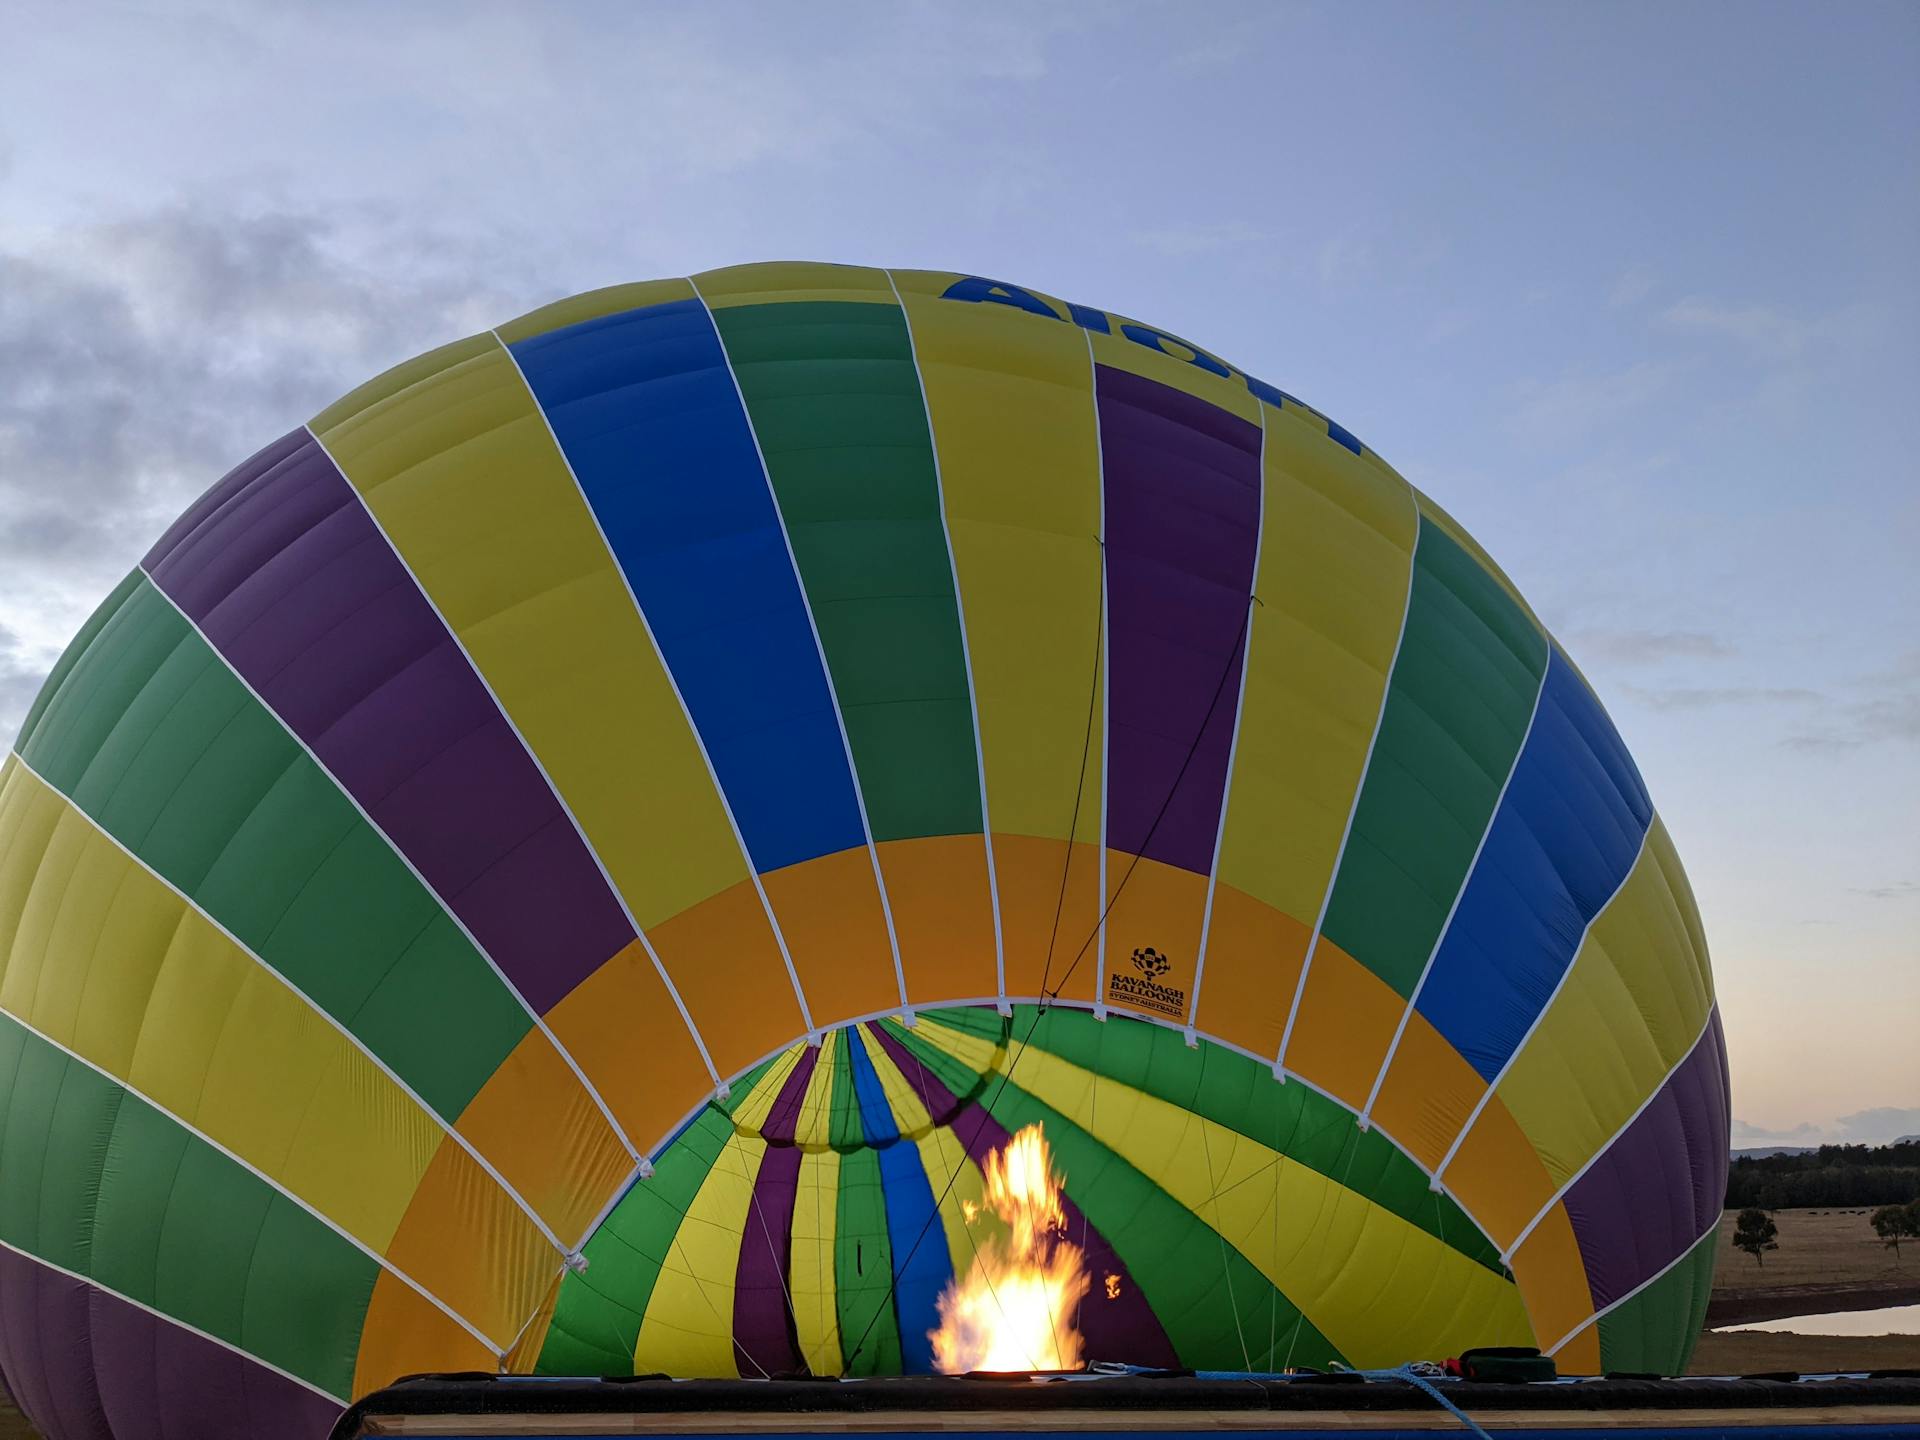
[[556, 864]]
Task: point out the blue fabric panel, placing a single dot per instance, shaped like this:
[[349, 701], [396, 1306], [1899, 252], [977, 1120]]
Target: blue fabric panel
[[876, 1116], [1565, 836], [922, 1269], [649, 418]]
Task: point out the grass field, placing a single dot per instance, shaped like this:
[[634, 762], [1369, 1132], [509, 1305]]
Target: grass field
[[1827, 1260]]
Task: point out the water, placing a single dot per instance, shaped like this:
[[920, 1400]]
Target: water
[[1890, 1320]]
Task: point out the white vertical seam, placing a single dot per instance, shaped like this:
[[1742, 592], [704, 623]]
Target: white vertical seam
[[539, 1021], [1101, 905], [1558, 985], [173, 1320], [820, 651], [1233, 741], [307, 1000], [276, 1186], [614, 561], [1359, 788], [1660, 1274], [966, 650], [1406, 1014], [1600, 1152]]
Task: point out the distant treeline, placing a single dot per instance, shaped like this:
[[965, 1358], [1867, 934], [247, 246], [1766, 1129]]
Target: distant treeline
[[1831, 1175]]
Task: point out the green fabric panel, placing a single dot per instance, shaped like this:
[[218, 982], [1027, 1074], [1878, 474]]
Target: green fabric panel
[[94, 1179], [1656, 1330], [102, 616], [1207, 1296], [843, 1116], [154, 737], [597, 1314], [1241, 1094], [863, 1269], [1458, 704], [835, 400]]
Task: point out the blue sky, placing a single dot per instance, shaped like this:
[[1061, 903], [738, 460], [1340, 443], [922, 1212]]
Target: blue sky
[[1632, 289]]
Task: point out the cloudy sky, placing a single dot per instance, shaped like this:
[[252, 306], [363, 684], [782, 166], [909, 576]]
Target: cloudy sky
[[1632, 289]]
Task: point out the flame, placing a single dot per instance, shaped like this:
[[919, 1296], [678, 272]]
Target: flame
[[1113, 1287], [1014, 1308]]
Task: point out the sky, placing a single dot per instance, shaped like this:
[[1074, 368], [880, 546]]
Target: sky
[[1633, 290]]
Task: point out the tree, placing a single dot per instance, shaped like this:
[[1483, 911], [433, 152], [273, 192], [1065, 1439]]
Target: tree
[[1754, 1232], [1894, 1223]]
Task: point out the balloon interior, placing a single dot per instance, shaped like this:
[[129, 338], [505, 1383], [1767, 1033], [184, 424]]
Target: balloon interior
[[813, 819]]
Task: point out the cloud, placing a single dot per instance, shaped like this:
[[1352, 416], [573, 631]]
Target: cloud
[[1898, 890], [1688, 697], [1635, 646], [22, 669], [1557, 413], [1881, 708], [1877, 1126], [147, 356]]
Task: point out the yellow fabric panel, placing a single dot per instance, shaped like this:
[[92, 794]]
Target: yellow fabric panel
[[404, 1335], [956, 1183], [402, 377], [1160, 908], [751, 1113], [29, 813], [188, 1019], [593, 305], [786, 280], [909, 1111], [1379, 1289], [1336, 552], [538, 1125], [1009, 396], [688, 1327], [811, 1285], [1631, 1007], [466, 1241], [1170, 367], [942, 906], [812, 1127]]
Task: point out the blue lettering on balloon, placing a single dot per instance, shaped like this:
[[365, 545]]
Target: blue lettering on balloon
[[1158, 339], [978, 288], [1087, 318]]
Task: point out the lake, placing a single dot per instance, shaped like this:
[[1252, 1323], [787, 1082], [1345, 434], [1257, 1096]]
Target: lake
[[1889, 1320]]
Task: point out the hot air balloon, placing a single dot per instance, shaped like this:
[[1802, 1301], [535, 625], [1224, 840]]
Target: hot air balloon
[[686, 831]]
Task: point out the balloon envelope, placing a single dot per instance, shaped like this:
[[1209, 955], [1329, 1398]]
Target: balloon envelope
[[574, 859]]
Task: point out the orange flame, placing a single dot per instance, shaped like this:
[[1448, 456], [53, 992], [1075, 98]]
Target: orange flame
[[1014, 1308]]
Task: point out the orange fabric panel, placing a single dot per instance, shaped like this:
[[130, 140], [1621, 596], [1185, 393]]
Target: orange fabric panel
[[1428, 1093], [727, 966], [829, 910], [537, 1123], [404, 1335], [1553, 1281], [1253, 965], [943, 914], [465, 1240], [1160, 908], [1030, 870], [525, 1354], [1497, 1177], [1346, 1021], [620, 1024]]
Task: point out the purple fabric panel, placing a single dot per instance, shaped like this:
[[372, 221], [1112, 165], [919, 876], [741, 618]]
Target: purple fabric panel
[[86, 1365], [763, 1335], [1182, 483], [1125, 1327], [785, 1110], [1659, 1187], [209, 505], [296, 587]]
